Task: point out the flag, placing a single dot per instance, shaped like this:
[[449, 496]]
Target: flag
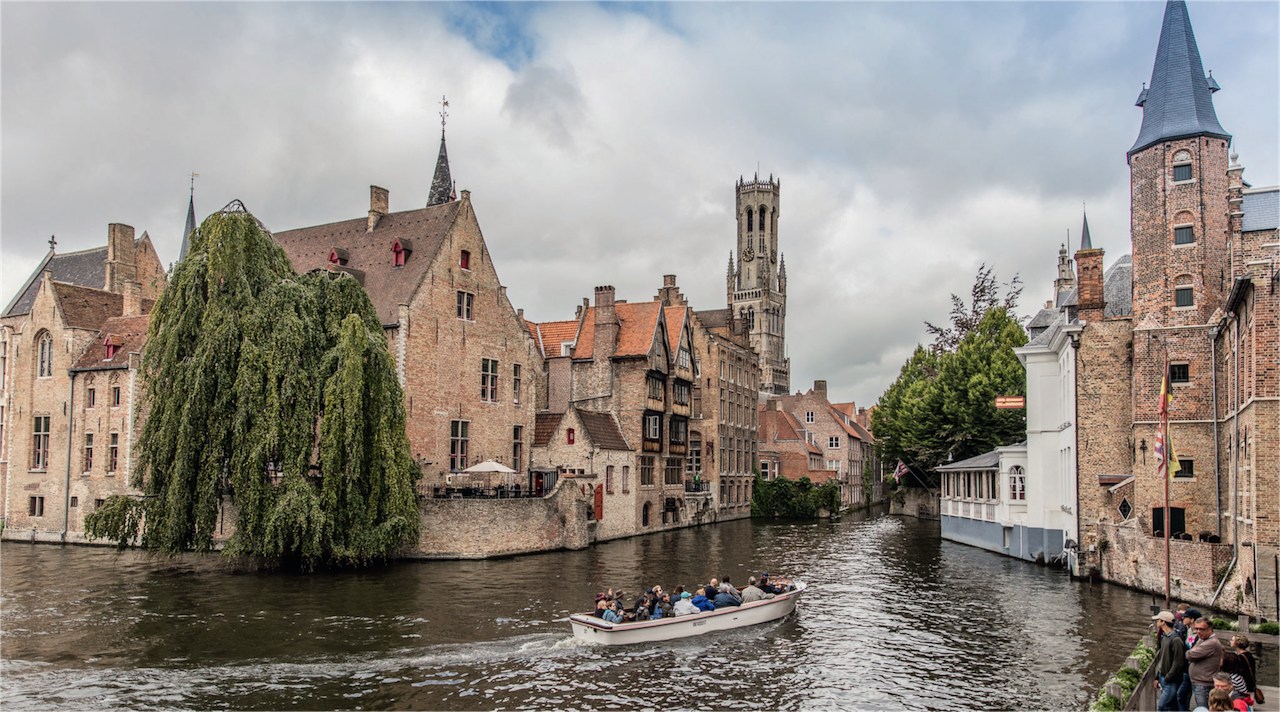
[[900, 471], [1168, 459]]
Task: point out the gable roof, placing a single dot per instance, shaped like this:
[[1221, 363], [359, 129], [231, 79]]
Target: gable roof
[[603, 430], [985, 461], [87, 268], [550, 334], [637, 329], [544, 426], [370, 252], [128, 333], [714, 317], [675, 317], [86, 308], [847, 427], [846, 408], [1178, 104]]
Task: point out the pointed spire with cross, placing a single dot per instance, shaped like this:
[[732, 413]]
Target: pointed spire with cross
[[442, 183]]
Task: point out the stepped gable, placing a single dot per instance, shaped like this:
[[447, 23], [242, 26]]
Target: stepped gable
[[86, 308], [544, 426], [602, 429], [388, 286], [87, 268], [637, 328], [127, 334]]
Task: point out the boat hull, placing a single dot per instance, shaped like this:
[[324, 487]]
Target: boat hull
[[595, 630]]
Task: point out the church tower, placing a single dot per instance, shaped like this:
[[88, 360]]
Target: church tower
[[757, 286]]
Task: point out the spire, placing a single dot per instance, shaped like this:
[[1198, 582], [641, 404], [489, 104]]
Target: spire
[[442, 183], [1178, 104], [191, 220], [1085, 242]]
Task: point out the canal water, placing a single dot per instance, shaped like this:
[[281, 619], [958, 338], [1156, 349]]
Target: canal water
[[896, 618]]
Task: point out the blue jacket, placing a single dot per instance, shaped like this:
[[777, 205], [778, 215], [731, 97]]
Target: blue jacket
[[724, 600], [612, 616], [702, 603]]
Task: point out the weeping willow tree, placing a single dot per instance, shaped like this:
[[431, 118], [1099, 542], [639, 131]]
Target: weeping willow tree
[[276, 393]]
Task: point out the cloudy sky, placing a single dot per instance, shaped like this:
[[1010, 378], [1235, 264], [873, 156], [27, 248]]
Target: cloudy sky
[[601, 143]]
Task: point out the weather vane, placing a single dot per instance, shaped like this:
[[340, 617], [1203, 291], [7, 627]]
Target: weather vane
[[193, 183], [53, 241], [444, 103]]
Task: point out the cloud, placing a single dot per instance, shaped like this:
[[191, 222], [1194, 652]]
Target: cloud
[[601, 142]]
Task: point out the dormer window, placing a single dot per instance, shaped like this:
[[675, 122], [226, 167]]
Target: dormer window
[[465, 260], [338, 256], [400, 250], [111, 349]]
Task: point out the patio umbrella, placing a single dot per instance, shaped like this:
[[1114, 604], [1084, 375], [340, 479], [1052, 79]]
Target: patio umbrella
[[492, 466]]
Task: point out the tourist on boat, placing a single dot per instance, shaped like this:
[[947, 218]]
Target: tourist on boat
[[754, 593], [1203, 661], [684, 606], [732, 589], [612, 614], [766, 586], [602, 604], [702, 603], [724, 599], [662, 608], [1172, 663]]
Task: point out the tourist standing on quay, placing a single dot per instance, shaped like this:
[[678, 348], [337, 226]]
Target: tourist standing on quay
[[1172, 664], [1203, 659]]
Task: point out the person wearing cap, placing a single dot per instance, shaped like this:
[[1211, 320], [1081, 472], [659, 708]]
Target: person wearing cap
[[766, 586], [1171, 665], [684, 606], [1203, 661]]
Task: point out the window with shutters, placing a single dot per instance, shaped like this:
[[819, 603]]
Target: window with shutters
[[465, 260]]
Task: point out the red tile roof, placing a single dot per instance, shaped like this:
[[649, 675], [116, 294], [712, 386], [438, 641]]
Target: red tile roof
[[544, 426], [388, 286], [846, 408], [127, 334], [86, 307], [550, 334], [637, 328], [675, 317]]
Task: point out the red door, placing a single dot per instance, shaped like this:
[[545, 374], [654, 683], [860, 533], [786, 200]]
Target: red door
[[599, 502]]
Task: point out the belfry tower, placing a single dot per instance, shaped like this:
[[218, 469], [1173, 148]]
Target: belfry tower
[[756, 283]]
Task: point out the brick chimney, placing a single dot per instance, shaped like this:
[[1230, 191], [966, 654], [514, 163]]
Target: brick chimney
[[1090, 303], [820, 389], [133, 299], [121, 267], [606, 326], [670, 295], [379, 200]]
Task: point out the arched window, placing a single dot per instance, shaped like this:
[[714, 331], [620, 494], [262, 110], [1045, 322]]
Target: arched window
[[1017, 484], [45, 354], [1183, 292], [644, 515], [1184, 232], [570, 436], [750, 219], [1181, 166], [764, 225]]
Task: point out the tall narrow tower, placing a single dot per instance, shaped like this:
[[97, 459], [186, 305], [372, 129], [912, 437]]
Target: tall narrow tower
[[758, 286]]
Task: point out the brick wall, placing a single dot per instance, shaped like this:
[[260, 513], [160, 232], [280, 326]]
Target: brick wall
[[476, 529], [1136, 560]]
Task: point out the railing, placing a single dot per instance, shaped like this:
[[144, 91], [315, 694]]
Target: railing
[[701, 486], [499, 492]]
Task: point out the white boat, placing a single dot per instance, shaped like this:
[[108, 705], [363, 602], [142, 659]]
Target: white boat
[[597, 630]]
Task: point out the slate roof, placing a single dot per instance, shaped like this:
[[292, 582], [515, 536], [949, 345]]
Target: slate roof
[[1042, 319], [86, 308], [603, 430], [87, 268], [441, 182], [713, 317], [637, 328], [1067, 299], [388, 286], [1261, 209], [1086, 242], [1117, 288], [1043, 336], [550, 334], [544, 426], [1179, 102], [862, 432], [128, 333], [985, 461]]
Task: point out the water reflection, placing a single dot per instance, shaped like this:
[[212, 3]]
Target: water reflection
[[896, 619]]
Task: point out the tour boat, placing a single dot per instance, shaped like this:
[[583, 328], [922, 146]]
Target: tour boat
[[598, 630]]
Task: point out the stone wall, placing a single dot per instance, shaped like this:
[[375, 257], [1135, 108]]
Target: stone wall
[[915, 502], [1132, 558], [483, 528]]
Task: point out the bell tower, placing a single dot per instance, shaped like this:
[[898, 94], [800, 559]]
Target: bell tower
[[757, 286]]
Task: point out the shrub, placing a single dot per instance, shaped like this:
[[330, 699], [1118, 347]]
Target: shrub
[[1220, 624], [1129, 678], [1265, 628]]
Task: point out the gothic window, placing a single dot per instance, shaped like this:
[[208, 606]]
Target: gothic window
[[763, 223], [1017, 484], [1183, 293], [45, 353]]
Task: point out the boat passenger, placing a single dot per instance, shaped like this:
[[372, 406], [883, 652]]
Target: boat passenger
[[662, 607], [753, 593], [612, 614], [733, 590], [725, 599], [766, 586], [601, 605], [702, 603], [684, 606]]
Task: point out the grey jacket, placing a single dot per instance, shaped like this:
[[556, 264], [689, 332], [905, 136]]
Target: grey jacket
[[1204, 660]]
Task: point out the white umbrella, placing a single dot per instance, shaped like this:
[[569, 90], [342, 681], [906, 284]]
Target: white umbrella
[[492, 466]]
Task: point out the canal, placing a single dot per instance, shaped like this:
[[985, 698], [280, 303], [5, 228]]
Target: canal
[[896, 619]]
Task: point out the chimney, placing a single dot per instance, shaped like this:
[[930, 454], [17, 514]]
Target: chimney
[[606, 323], [820, 389], [775, 405], [379, 200], [121, 270], [520, 314], [1090, 303], [133, 299]]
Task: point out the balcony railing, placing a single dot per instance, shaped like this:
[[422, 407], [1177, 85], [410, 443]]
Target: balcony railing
[[701, 486]]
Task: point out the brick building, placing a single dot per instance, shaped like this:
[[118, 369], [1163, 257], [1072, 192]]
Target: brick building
[[69, 352], [788, 449], [1199, 294]]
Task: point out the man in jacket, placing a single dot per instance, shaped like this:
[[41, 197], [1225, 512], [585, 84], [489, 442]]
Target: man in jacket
[[1203, 661], [684, 606], [1171, 664], [724, 598], [702, 603], [752, 593]]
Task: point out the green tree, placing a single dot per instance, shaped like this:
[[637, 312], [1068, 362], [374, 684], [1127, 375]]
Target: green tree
[[275, 391]]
